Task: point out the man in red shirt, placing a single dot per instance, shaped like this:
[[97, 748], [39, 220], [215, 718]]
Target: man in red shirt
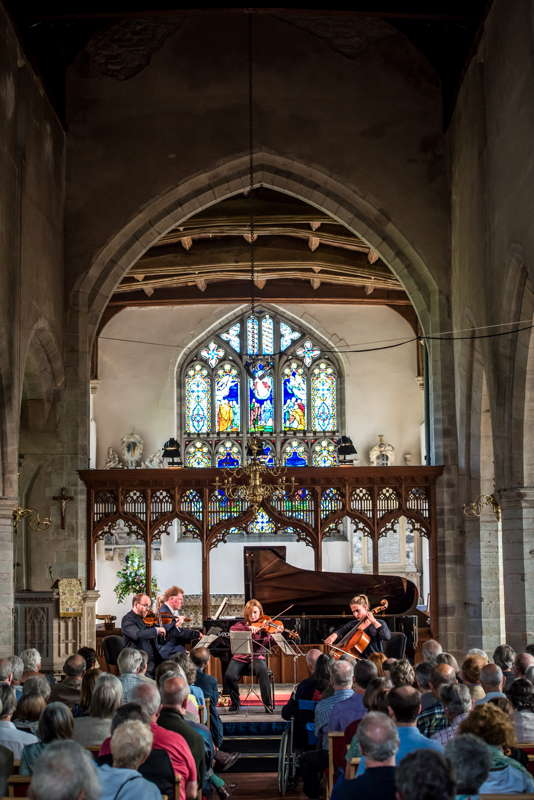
[[183, 763]]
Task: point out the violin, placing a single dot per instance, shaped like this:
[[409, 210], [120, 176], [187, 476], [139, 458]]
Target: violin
[[356, 642], [270, 625], [160, 619]]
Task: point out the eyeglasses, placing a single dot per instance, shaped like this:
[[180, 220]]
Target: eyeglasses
[[144, 605]]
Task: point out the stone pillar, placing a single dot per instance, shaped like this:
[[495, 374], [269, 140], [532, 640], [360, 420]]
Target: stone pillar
[[88, 632], [7, 504], [518, 564], [92, 425]]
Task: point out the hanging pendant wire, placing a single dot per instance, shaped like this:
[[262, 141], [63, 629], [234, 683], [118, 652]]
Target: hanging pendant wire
[[251, 162]]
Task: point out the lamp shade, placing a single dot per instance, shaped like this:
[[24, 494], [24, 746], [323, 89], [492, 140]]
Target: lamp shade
[[171, 452]]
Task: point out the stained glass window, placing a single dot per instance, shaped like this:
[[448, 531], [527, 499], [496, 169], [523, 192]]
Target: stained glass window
[[267, 454], [262, 524], [287, 335], [252, 336], [232, 336], [294, 397], [212, 354], [308, 352], [261, 416], [295, 454], [191, 503], [228, 455], [227, 405], [324, 453], [323, 397], [198, 454], [267, 335], [197, 400]]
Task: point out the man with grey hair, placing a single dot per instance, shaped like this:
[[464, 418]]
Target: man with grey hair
[[430, 650], [503, 656], [314, 762], [129, 662], [10, 736], [91, 730], [65, 771], [174, 693], [6, 671], [379, 741], [149, 698], [131, 744], [353, 709], [456, 699], [492, 680], [31, 658], [471, 760]]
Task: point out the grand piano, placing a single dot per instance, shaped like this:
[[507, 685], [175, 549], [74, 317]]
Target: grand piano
[[319, 601]]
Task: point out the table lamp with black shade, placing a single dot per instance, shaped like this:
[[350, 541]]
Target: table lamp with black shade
[[171, 453], [345, 448]]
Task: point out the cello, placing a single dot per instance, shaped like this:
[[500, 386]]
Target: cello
[[356, 642]]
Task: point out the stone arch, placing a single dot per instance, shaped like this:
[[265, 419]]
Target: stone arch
[[42, 375]]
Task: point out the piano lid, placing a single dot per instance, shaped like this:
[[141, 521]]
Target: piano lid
[[276, 584]]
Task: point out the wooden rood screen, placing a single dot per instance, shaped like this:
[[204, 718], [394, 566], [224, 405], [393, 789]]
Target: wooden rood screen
[[147, 501]]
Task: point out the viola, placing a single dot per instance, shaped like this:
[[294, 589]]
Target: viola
[[355, 643], [270, 625], [160, 619]]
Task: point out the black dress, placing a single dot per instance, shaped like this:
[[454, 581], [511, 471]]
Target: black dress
[[378, 635]]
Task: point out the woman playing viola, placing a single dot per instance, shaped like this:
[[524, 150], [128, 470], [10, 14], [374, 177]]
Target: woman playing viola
[[366, 620], [242, 663]]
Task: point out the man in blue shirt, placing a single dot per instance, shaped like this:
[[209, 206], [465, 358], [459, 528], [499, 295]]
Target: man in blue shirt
[[404, 706], [379, 740]]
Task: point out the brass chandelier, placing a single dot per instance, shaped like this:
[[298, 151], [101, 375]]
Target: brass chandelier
[[255, 482]]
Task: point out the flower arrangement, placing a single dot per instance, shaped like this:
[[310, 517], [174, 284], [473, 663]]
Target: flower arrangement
[[132, 577]]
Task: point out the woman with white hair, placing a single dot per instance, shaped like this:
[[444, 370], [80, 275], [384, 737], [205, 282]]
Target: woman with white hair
[[107, 697], [131, 743]]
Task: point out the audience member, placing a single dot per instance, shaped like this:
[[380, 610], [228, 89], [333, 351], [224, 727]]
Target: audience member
[[89, 679], [529, 674], [402, 674], [6, 671], [28, 712], [10, 736], [6, 768], [430, 650], [56, 723], [434, 718], [89, 656], [31, 659], [378, 660], [157, 766], [38, 684], [530, 649], [174, 692], [313, 762], [456, 699], [91, 731], [425, 776], [196, 700], [353, 709], [423, 671], [404, 705], [68, 690], [200, 657], [378, 739], [129, 662], [495, 728], [65, 771], [521, 695], [387, 666], [17, 669], [144, 667], [448, 658], [522, 662], [471, 762], [130, 745], [148, 697], [492, 681], [504, 656], [476, 651], [470, 675], [374, 699]]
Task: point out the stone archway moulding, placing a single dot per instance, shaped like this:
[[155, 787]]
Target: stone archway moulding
[[360, 214]]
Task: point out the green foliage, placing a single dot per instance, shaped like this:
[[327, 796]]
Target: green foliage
[[132, 577]]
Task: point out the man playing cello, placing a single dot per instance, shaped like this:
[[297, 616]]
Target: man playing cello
[[377, 630]]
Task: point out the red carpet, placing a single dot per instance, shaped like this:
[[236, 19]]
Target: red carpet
[[281, 697]]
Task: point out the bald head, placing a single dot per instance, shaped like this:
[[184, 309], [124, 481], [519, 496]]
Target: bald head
[[522, 662], [174, 692], [491, 678], [311, 658], [74, 666], [441, 674], [200, 656]]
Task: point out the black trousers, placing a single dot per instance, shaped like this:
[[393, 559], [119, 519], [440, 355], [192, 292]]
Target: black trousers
[[236, 669], [312, 766]]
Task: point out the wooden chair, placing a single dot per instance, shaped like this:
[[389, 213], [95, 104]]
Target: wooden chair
[[336, 757], [94, 749], [18, 785], [528, 748], [16, 768], [352, 768]]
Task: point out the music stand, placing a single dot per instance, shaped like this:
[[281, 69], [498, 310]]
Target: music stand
[[206, 640], [288, 649], [241, 644]]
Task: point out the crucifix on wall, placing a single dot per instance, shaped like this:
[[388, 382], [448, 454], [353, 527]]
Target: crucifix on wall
[[62, 500]]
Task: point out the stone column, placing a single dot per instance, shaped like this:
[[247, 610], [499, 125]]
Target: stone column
[[518, 564], [7, 504]]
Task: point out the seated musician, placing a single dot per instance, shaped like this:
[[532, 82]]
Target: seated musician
[[240, 664], [138, 634], [176, 635], [365, 620]]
